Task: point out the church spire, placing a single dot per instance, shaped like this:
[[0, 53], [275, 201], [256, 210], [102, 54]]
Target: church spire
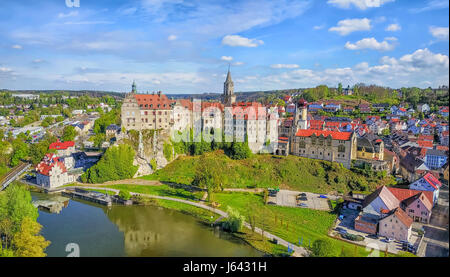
[[133, 87], [228, 80]]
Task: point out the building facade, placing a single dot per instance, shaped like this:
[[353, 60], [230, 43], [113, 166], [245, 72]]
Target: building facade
[[147, 111]]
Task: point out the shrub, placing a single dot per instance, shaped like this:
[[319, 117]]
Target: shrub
[[234, 221], [124, 194], [322, 248], [153, 164]]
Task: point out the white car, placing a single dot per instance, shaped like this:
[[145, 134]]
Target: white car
[[389, 240]]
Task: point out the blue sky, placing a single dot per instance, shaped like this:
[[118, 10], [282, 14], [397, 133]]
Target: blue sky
[[179, 46]]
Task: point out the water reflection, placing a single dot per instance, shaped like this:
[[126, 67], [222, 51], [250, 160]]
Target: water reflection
[[135, 231]]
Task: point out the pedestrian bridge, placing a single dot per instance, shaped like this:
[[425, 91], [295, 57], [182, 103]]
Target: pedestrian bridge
[[13, 174]]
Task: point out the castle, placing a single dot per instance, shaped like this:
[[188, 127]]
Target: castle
[[260, 125]]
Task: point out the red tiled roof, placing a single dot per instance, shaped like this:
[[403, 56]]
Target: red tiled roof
[[151, 101], [432, 180], [333, 134], [186, 103], [442, 147], [402, 194], [61, 145], [425, 143], [426, 137], [50, 161], [403, 217]]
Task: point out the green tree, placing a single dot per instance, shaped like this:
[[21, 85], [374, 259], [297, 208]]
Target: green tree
[[20, 151], [69, 133], [116, 164], [27, 242], [322, 248], [240, 150], [15, 205], [124, 194], [339, 89], [234, 221]]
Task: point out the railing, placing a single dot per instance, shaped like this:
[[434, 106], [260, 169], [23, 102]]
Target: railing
[[13, 174]]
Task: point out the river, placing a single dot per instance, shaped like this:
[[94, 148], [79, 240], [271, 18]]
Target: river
[[134, 231]]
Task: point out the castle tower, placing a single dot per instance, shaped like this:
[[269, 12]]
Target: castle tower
[[301, 115], [228, 96]]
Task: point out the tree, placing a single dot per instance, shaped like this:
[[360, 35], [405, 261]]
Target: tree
[[15, 205], [234, 220], [69, 133], [322, 248], [39, 149], [27, 242], [124, 194], [240, 150], [20, 151], [116, 164], [339, 89]]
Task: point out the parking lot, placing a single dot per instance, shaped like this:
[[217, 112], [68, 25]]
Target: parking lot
[[348, 224], [309, 200]]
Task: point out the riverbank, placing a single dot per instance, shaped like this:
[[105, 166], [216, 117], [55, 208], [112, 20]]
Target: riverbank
[[209, 218]]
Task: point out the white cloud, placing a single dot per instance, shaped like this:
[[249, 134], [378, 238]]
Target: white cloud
[[128, 11], [16, 46], [369, 43], [432, 5], [88, 22], [393, 27], [38, 61], [235, 40], [284, 66], [391, 38], [69, 14], [440, 33], [348, 26], [172, 37], [319, 27], [226, 58], [5, 69], [360, 4], [422, 65], [238, 63]]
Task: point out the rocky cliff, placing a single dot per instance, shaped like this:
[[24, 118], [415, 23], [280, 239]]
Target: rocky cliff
[[149, 148]]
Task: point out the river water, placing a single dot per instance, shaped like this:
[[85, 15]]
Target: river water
[[134, 231]]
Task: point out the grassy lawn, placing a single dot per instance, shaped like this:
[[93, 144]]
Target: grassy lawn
[[162, 190], [288, 223], [289, 172]]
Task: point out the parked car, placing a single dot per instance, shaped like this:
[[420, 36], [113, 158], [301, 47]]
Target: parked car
[[388, 240], [322, 196], [303, 205], [373, 236], [341, 230]]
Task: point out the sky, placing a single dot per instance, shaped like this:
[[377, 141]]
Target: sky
[[178, 46]]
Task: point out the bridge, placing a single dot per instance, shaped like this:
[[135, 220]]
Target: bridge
[[13, 174]]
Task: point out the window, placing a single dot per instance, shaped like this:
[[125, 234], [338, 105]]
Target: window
[[302, 144], [341, 148]]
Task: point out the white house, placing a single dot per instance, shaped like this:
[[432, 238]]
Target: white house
[[52, 173], [427, 183], [396, 224]]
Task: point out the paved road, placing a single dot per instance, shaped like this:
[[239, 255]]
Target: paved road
[[298, 251], [436, 239]]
